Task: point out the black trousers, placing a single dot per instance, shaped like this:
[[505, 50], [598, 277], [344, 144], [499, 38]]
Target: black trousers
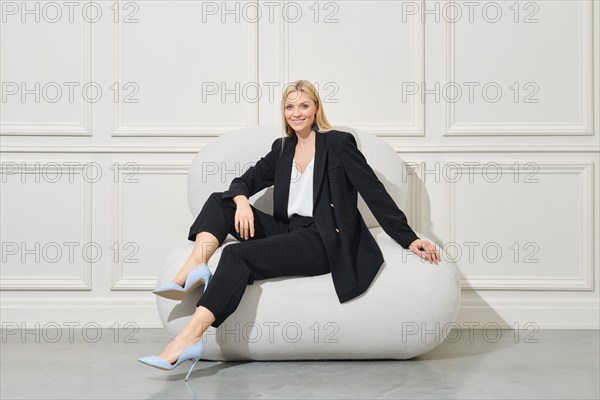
[[277, 249]]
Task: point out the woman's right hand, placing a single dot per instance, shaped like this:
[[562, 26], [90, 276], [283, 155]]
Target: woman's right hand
[[244, 218]]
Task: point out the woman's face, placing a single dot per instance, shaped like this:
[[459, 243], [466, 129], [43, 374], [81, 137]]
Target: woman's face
[[300, 112]]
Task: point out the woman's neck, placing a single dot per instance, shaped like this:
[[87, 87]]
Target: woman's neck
[[305, 142]]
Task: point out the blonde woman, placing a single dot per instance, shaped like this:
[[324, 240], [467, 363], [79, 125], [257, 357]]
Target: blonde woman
[[316, 173]]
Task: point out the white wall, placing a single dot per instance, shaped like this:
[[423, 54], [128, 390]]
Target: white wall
[[514, 171]]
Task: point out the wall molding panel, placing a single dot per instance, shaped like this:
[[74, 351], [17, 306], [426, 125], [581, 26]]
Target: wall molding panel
[[83, 125], [583, 277], [83, 280], [119, 280], [121, 128], [417, 56], [585, 124]]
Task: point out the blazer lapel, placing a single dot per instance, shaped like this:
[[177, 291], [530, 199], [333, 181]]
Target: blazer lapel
[[283, 176], [319, 171]]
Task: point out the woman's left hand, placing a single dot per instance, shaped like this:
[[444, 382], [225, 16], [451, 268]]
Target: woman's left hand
[[426, 250]]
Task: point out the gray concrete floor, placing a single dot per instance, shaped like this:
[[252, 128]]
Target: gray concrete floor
[[562, 364]]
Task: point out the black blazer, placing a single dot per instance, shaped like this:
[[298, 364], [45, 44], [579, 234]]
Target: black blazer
[[340, 169]]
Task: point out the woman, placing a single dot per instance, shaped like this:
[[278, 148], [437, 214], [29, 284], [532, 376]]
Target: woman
[[316, 173]]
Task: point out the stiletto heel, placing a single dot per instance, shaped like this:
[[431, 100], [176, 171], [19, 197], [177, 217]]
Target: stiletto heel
[[199, 275], [191, 368], [192, 353]]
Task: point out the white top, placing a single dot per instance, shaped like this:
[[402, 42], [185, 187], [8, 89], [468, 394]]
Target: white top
[[300, 200]]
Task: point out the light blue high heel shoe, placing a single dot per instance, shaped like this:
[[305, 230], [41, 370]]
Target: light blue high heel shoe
[[192, 352], [200, 275]]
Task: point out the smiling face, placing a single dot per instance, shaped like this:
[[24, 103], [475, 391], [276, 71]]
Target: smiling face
[[300, 112]]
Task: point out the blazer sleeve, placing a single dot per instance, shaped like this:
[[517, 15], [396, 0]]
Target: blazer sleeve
[[390, 217], [257, 177]]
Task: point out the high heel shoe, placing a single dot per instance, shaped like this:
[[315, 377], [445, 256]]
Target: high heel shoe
[[200, 275], [192, 352]]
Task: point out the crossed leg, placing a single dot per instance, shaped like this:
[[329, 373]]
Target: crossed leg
[[274, 251]]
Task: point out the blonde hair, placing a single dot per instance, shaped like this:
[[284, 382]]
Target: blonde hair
[[311, 92]]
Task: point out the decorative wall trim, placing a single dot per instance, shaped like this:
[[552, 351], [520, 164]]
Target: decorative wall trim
[[119, 282], [584, 279], [408, 149], [559, 313], [584, 126], [527, 313], [417, 126], [84, 128], [84, 280], [127, 314], [120, 128]]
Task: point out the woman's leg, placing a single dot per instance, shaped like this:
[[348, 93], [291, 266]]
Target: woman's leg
[[191, 333], [209, 230], [298, 253], [211, 227], [205, 245]]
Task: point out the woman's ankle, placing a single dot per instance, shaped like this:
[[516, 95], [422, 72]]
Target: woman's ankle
[[194, 331], [185, 270]]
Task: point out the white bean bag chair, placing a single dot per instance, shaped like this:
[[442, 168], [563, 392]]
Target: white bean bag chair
[[408, 310]]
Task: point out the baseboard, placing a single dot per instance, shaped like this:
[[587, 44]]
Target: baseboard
[[530, 314], [107, 313], [103, 313]]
